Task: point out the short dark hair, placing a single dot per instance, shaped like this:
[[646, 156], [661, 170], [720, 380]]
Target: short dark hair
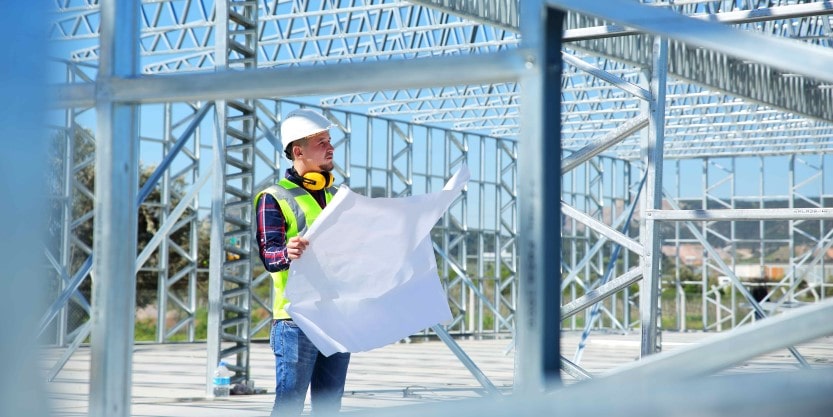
[[288, 150]]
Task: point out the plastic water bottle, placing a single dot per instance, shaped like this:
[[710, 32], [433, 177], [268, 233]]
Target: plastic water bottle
[[222, 380]]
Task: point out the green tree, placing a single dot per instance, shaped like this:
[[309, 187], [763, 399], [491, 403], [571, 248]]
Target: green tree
[[150, 218]]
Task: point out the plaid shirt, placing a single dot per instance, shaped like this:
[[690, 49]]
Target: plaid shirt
[[271, 228]]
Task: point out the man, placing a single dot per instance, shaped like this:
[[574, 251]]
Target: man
[[283, 212]]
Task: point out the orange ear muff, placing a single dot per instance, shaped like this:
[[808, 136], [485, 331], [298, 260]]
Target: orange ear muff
[[318, 180]]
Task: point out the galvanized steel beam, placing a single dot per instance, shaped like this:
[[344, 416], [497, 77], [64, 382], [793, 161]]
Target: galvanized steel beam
[[740, 63], [653, 145], [724, 350], [600, 145], [303, 81], [537, 329], [734, 65], [602, 292], [764, 14], [501, 13], [602, 228], [116, 188], [232, 228], [820, 213]]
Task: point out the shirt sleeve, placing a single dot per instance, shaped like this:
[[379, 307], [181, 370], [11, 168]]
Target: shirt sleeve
[[271, 234]]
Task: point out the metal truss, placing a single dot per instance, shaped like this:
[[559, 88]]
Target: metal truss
[[173, 218], [267, 171], [184, 28], [310, 33], [173, 212], [601, 189], [298, 33], [806, 104], [70, 255], [804, 239], [291, 32], [232, 225]]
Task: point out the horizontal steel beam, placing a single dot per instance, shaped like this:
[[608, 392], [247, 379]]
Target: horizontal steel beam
[[742, 214], [502, 13], [739, 63], [449, 341], [728, 349], [749, 78], [75, 95], [598, 294], [602, 228], [499, 67], [788, 55], [793, 11], [598, 146], [765, 14], [601, 74]]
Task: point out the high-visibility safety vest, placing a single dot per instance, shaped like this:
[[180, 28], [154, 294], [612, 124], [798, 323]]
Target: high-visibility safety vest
[[299, 209]]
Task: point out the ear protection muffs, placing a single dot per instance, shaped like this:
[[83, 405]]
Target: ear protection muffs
[[315, 181]]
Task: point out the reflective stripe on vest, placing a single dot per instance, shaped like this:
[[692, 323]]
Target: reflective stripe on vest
[[299, 209]]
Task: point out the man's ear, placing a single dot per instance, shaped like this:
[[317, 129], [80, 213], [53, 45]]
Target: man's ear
[[296, 151]]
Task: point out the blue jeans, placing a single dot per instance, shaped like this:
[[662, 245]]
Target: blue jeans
[[299, 365]]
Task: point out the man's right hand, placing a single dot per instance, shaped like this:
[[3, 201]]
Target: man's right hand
[[295, 247]]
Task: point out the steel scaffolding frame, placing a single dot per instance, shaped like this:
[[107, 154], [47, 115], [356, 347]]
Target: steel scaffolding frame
[[793, 208], [732, 101], [232, 225]]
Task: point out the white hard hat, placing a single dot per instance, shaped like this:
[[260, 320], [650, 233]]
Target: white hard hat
[[301, 123]]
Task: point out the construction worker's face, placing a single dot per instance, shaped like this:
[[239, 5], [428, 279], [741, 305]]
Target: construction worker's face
[[318, 151]]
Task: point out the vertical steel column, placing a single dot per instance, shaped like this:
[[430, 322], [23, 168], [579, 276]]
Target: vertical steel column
[[177, 235], [649, 237], [400, 159], [570, 198], [66, 219], [621, 171], [454, 222], [193, 275], [216, 269], [594, 207], [116, 188], [268, 119], [717, 175], [678, 284], [474, 306], [806, 177], [733, 244], [825, 225], [368, 173], [538, 358], [790, 295], [704, 271], [506, 231], [162, 266], [230, 272], [71, 274]]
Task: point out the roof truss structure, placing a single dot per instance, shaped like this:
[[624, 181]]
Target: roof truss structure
[[712, 97]]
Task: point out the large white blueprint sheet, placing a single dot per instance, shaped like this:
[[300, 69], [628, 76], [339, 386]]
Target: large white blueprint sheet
[[369, 277]]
